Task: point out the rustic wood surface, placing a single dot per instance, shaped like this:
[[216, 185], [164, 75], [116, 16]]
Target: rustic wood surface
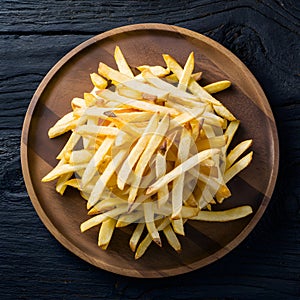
[[263, 34]]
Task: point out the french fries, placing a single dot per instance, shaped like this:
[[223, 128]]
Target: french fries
[[150, 151]]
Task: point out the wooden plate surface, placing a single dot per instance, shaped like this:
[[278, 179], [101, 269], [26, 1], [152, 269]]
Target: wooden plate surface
[[143, 44]]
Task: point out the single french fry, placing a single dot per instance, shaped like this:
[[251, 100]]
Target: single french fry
[[78, 103], [98, 81], [122, 63], [224, 112], [230, 131], [105, 233], [136, 236], [135, 117], [80, 156], [149, 220], [95, 130], [186, 73], [224, 216], [65, 124], [158, 71], [178, 225], [61, 170], [172, 238], [218, 86]]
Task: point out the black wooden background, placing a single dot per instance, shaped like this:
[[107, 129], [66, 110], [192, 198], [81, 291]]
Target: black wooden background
[[34, 35]]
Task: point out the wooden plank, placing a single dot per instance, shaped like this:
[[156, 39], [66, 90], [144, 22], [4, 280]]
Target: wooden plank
[[97, 16]]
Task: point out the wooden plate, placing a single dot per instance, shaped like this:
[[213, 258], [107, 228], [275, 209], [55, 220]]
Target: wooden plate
[[144, 44]]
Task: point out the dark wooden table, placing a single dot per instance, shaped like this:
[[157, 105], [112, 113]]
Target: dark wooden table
[[36, 34]]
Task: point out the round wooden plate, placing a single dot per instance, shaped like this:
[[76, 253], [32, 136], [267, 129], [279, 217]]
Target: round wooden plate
[[144, 44]]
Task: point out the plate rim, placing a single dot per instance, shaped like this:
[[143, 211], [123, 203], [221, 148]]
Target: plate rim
[[133, 272]]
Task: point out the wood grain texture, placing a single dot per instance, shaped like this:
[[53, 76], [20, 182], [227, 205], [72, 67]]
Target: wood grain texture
[[34, 35]]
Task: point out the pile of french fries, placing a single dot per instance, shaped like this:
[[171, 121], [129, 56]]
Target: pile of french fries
[[150, 150]]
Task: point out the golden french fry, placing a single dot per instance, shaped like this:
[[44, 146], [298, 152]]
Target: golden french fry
[[136, 236], [61, 170], [78, 103], [186, 73], [105, 233], [149, 220], [98, 81], [230, 131], [156, 70], [224, 112], [218, 86], [89, 99], [65, 124], [80, 156], [95, 130], [225, 215], [122, 63], [172, 238], [178, 225]]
